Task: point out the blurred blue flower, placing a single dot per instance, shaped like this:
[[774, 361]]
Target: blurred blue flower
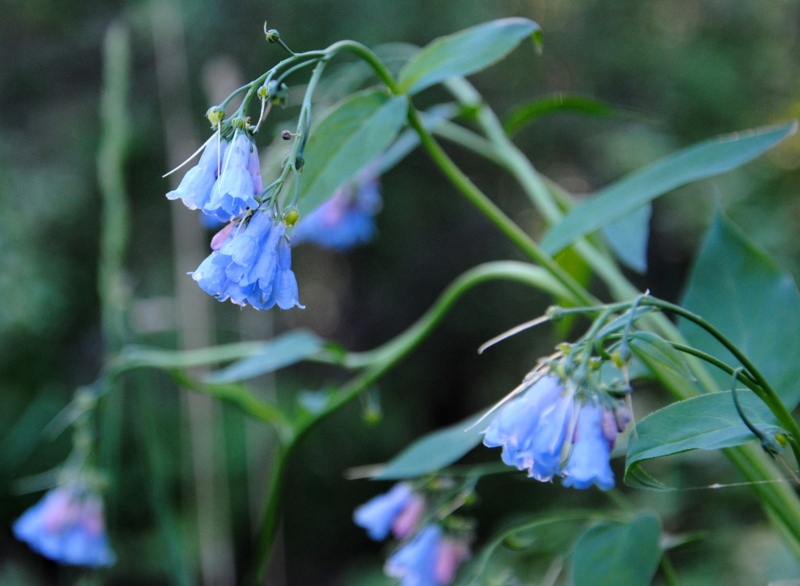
[[415, 562], [347, 219], [398, 510], [595, 435], [67, 526], [238, 182], [195, 187], [251, 264]]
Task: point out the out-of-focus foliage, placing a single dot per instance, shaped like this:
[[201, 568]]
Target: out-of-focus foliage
[[679, 71]]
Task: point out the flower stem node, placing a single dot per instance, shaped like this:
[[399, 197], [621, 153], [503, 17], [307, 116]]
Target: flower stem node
[[215, 114]]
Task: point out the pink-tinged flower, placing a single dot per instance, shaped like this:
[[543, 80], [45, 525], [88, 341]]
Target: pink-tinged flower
[[347, 219], [67, 526], [429, 559], [398, 510], [407, 521], [452, 553]]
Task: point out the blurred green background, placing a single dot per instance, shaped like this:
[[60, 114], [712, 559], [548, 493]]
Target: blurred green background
[[188, 476]]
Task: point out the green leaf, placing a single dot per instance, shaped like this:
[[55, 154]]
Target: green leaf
[[736, 286], [281, 351], [615, 553], [532, 110], [707, 422], [347, 140], [700, 161], [654, 350], [434, 451], [628, 236], [465, 52]]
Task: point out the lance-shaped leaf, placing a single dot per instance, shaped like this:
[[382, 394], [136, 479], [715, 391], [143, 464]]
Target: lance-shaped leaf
[[465, 52], [346, 141], [706, 422], [628, 237], [614, 553], [281, 351], [738, 288], [700, 161], [434, 451]]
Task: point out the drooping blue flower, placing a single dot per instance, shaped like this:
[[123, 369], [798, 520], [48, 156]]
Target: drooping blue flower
[[379, 514], [347, 219], [398, 510], [67, 526], [195, 187], [595, 435], [532, 428], [549, 432], [238, 183], [252, 265], [415, 562]]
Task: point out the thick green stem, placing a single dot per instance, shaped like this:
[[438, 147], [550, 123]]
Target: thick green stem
[[467, 188], [271, 517]]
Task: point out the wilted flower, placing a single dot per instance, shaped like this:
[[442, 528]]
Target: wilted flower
[[548, 431], [429, 559], [347, 219], [67, 526], [251, 264], [398, 510]]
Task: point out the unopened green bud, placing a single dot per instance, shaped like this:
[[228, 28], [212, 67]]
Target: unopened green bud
[[215, 115], [278, 92], [299, 163], [263, 92], [617, 359], [273, 36], [239, 123], [290, 217]]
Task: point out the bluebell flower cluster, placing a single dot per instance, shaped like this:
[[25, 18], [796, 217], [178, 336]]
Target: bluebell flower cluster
[[548, 432], [226, 180], [347, 219], [67, 526], [251, 264], [427, 557]]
